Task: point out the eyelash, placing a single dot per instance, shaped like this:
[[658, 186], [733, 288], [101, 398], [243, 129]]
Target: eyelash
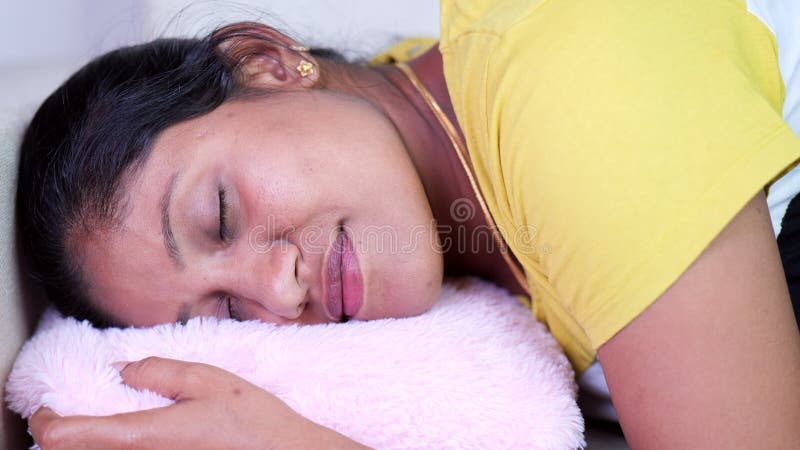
[[229, 305], [224, 236], [224, 233]]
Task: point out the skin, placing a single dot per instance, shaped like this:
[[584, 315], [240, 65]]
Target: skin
[[283, 183], [713, 363]]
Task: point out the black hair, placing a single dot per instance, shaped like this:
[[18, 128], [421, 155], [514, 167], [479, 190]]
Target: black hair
[[98, 126]]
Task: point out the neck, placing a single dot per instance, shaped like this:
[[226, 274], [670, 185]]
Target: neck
[[443, 177]]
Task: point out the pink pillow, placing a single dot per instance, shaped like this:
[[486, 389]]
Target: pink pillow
[[476, 371]]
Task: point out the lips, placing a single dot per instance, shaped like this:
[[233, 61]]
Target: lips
[[342, 281], [352, 283]]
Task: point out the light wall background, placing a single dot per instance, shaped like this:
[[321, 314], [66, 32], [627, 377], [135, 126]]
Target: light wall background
[[43, 41]]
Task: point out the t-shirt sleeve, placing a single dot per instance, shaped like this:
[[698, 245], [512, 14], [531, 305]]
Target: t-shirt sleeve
[[629, 135]]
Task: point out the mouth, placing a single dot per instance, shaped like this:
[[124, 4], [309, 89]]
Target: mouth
[[343, 287]]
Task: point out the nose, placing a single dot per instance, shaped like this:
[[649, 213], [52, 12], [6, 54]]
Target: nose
[[268, 278]]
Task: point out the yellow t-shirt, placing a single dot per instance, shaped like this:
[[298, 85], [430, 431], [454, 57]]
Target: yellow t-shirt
[[613, 140]]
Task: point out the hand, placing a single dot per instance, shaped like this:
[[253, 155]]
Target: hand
[[213, 409]]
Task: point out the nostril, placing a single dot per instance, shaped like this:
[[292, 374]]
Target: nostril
[[300, 309]]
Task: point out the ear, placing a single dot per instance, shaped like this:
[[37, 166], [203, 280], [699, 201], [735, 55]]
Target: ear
[[266, 58]]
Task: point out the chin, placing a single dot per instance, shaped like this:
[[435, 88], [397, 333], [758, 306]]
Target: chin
[[423, 297], [409, 293], [404, 302]]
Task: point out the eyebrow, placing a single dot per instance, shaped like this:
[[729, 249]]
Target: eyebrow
[[166, 228]]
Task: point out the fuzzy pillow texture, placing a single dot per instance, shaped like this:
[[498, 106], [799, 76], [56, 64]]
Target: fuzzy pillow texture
[[476, 371]]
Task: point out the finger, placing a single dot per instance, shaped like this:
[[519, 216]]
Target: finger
[[53, 432], [136, 430], [174, 379], [40, 422]]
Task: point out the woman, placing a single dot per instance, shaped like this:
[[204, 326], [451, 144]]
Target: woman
[[621, 150]]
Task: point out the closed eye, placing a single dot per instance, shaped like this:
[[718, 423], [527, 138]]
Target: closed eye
[[224, 232], [229, 305]]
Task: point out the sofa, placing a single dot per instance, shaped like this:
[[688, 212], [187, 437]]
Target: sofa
[[19, 303]]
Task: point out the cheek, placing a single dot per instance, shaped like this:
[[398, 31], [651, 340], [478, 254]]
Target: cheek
[[276, 195], [406, 279], [412, 294], [427, 279], [403, 243]]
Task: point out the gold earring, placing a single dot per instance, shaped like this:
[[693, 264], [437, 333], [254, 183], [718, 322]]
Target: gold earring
[[299, 48], [305, 68]]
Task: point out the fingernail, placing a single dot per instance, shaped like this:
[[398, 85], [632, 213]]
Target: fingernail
[[120, 365]]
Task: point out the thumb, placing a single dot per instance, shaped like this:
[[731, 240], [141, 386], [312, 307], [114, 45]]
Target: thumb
[[173, 379]]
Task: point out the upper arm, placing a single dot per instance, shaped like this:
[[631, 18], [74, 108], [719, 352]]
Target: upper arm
[[715, 361]]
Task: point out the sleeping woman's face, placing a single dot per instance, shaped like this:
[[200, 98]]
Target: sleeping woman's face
[[295, 208]]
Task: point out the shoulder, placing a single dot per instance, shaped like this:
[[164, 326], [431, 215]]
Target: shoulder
[[496, 16], [483, 16], [603, 25], [571, 50]]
